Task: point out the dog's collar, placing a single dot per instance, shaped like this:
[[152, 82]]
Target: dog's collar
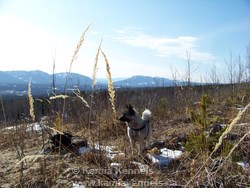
[[139, 129]]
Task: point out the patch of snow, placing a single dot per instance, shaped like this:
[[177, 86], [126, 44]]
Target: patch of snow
[[9, 128], [243, 164], [145, 169], [119, 183], [10, 91], [61, 74], [78, 185], [110, 150], [83, 150], [34, 127], [124, 184], [165, 157], [115, 164]]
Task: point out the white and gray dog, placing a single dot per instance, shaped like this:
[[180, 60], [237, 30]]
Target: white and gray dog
[[138, 128]]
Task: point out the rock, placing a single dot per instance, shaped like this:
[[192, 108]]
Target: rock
[[215, 164], [232, 136], [64, 143], [215, 128], [157, 144]]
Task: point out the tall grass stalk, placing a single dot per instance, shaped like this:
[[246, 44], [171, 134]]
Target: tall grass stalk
[[78, 95], [31, 102], [74, 57], [237, 144], [229, 128], [29, 158], [95, 66], [94, 83], [59, 97], [110, 85], [232, 150]]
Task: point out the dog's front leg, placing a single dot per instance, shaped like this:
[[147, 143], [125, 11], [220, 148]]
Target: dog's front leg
[[132, 145], [141, 146]]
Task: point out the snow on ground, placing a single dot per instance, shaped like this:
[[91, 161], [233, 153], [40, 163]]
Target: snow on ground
[[144, 169], [34, 127], [29, 127], [243, 164], [78, 185], [165, 157], [83, 150], [109, 150]]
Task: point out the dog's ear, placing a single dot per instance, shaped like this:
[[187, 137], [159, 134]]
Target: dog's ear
[[131, 109], [129, 106]]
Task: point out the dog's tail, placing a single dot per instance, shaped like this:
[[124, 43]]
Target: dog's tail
[[146, 115]]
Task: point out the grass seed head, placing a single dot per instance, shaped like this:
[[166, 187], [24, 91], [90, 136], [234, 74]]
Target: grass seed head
[[95, 65], [31, 102], [110, 84]]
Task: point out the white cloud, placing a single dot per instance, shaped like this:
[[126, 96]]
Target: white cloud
[[23, 45], [166, 47]]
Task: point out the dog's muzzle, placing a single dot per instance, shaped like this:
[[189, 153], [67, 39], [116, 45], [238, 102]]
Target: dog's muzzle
[[124, 118]]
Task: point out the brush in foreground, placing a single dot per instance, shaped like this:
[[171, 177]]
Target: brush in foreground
[[74, 57], [110, 84], [229, 128], [79, 44], [81, 98], [95, 65]]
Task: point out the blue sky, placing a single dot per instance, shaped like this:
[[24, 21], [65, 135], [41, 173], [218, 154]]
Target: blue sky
[[140, 37]]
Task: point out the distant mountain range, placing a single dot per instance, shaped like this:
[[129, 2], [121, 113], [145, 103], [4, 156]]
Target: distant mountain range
[[144, 81], [39, 77], [15, 82]]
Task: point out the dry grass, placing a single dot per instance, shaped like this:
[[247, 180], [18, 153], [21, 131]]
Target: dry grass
[[78, 95], [110, 84], [95, 65], [93, 120], [229, 128], [56, 170], [31, 102], [59, 97], [79, 44], [218, 145], [74, 57], [94, 84]]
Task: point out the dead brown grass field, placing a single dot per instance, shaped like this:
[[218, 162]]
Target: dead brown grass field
[[171, 122], [182, 117]]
